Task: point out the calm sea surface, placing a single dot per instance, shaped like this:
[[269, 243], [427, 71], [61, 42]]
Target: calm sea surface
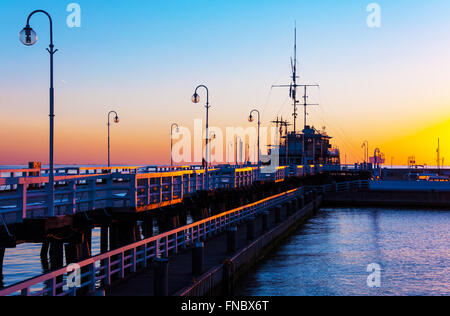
[[331, 253]]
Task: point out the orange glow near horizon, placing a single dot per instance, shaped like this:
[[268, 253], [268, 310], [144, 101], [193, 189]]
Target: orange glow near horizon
[[87, 145], [388, 85]]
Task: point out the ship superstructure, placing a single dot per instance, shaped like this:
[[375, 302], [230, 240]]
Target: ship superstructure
[[311, 146]]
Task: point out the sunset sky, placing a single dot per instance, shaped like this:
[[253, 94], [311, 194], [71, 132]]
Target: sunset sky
[[389, 85]]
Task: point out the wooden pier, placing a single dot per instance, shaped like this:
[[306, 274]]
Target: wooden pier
[[128, 255]]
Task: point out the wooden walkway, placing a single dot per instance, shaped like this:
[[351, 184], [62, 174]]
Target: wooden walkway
[[180, 266]]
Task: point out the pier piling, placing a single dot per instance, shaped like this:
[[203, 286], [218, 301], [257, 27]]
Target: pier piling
[[301, 202], [44, 256], [87, 243], [57, 259], [104, 235], [2, 256], [161, 277], [265, 221], [277, 211], [291, 208], [287, 208], [72, 252], [56, 255], [307, 197], [114, 236], [147, 226], [227, 279], [232, 239], [251, 228], [198, 259]]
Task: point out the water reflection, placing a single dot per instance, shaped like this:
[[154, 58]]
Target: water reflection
[[330, 255]]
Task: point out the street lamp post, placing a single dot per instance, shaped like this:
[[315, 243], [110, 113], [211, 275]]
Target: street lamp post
[[28, 37], [251, 119], [116, 120], [196, 99], [171, 141]]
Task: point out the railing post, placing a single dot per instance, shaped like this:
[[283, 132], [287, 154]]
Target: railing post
[[183, 244], [52, 286], [175, 242], [107, 271], [208, 230], [157, 248], [145, 262], [166, 247], [92, 277], [25, 292], [122, 265], [133, 258]]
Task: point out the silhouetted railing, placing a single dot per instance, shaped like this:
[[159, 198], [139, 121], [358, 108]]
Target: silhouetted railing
[[126, 260]]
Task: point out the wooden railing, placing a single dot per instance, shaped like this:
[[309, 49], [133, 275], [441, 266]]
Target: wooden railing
[[99, 271], [24, 197]]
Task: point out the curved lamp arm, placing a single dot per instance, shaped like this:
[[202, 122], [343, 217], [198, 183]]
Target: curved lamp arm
[[259, 115], [51, 50], [207, 94], [109, 116], [173, 125], [171, 129]]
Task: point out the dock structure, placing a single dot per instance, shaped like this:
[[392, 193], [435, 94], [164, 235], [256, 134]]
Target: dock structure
[[87, 197], [126, 204], [24, 192], [163, 232]]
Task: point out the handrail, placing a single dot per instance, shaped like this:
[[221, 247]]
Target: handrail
[[148, 188], [141, 252], [116, 262]]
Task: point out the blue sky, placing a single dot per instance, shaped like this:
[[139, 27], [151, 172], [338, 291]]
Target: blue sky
[[144, 59]]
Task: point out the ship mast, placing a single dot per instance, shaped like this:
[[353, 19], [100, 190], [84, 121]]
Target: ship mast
[[294, 81], [293, 87], [280, 124]]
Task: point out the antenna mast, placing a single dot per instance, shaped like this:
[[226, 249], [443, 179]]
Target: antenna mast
[[279, 123], [293, 87], [294, 81]]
